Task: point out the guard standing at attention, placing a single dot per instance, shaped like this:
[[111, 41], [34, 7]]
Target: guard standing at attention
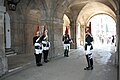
[[46, 44], [88, 48], [66, 41], [37, 42]]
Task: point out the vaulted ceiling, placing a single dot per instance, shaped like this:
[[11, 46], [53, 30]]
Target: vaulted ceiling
[[77, 10], [83, 10]]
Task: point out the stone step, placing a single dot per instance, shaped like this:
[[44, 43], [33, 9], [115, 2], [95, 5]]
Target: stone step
[[8, 49], [9, 52]]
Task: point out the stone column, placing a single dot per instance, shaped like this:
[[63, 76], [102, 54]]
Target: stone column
[[73, 33], [117, 40], [50, 27], [118, 47], [58, 33], [55, 30], [3, 59], [117, 55]]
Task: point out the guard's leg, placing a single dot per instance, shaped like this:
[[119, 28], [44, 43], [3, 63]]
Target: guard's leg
[[46, 56], [65, 50], [91, 62], [67, 53], [88, 61], [39, 59], [36, 58]]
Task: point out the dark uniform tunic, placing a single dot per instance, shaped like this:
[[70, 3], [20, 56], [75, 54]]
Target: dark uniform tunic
[[66, 39]]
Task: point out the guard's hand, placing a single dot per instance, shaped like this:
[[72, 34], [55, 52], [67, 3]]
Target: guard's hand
[[71, 41], [62, 42]]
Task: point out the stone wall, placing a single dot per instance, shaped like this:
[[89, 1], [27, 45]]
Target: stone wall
[[24, 23]]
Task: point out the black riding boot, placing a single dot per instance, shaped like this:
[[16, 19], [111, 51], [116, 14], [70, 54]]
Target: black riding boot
[[91, 63], [66, 53]]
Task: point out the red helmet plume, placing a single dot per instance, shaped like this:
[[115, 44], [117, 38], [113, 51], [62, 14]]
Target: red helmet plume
[[37, 29], [44, 29], [66, 31], [89, 28]]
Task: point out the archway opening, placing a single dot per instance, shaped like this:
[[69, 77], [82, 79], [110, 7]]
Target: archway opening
[[66, 24], [103, 29]]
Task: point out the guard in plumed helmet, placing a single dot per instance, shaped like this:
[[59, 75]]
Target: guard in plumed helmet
[[46, 45], [66, 41], [88, 48], [37, 42]]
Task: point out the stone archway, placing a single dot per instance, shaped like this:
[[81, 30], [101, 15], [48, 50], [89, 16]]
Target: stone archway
[[51, 13], [88, 11]]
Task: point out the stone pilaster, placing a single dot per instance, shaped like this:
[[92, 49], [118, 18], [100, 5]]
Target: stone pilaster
[[3, 59], [73, 33]]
